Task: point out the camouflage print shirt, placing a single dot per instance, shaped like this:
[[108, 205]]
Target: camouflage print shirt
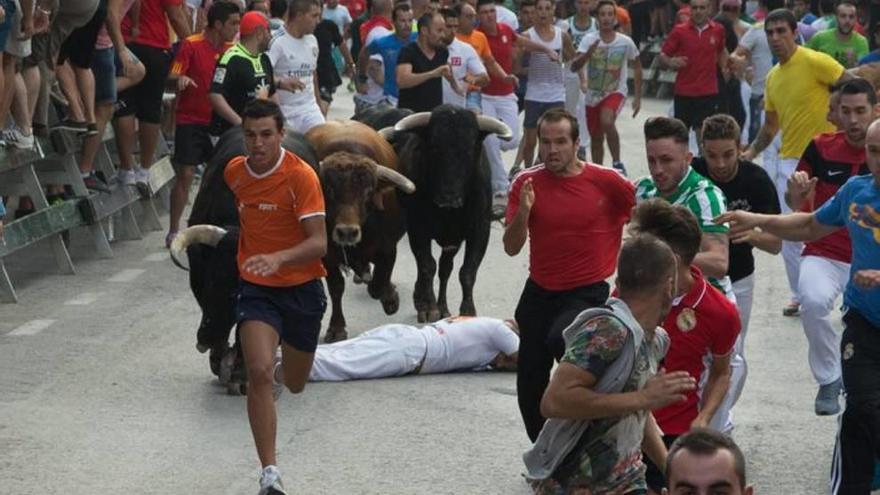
[[608, 459]]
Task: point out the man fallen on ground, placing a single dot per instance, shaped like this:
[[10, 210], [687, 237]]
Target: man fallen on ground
[[452, 344]]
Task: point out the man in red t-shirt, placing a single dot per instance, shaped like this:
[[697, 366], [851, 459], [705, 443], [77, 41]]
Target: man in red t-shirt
[[572, 213], [193, 69], [696, 50], [828, 162], [151, 45], [702, 325]]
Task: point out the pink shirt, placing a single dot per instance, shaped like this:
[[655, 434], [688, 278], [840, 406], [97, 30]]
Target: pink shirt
[[104, 40]]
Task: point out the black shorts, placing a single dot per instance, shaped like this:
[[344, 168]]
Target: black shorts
[[294, 312], [693, 110], [79, 47], [145, 100], [860, 358], [192, 145], [655, 476]]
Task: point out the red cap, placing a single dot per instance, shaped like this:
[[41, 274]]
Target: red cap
[[251, 21]]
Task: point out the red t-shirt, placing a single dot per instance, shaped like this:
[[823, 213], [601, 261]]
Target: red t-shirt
[[355, 7], [501, 45], [153, 24], [196, 58], [716, 327], [373, 22], [575, 225], [701, 47], [833, 161]]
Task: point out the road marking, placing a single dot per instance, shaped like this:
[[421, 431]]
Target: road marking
[[32, 327], [126, 275], [163, 256], [83, 299]]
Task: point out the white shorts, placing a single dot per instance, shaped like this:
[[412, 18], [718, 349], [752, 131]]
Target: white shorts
[[302, 119]]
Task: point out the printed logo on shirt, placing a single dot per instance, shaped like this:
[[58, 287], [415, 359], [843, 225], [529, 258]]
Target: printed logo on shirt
[[866, 217], [504, 38], [848, 351], [740, 204], [455, 61], [267, 207], [220, 75]]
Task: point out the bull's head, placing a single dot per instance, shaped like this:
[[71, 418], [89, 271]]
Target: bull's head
[[351, 182], [452, 140]]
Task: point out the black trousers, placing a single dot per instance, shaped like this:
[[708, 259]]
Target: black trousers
[[542, 315], [858, 442]]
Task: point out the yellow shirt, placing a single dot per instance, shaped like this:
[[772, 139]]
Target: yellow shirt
[[798, 91]]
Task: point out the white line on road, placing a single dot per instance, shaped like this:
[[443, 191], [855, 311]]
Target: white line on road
[[83, 299], [126, 275], [32, 327], [163, 256]]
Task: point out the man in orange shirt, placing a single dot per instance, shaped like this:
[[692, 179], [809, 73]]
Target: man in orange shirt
[[280, 296]]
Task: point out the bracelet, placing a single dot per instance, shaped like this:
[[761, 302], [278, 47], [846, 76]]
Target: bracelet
[[44, 11]]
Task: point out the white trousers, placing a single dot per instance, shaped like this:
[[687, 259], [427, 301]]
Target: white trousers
[[791, 251], [744, 289], [302, 119], [822, 281], [576, 104], [386, 351], [504, 109]]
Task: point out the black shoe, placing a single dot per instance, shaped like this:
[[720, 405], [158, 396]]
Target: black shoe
[[620, 168], [95, 184], [91, 129], [72, 126]]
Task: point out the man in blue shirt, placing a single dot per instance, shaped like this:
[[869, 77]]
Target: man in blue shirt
[[389, 47], [856, 206]]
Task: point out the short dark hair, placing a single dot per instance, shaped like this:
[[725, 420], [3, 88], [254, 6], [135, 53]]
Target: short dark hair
[[720, 126], [526, 3], [260, 109], [299, 7], [782, 15], [644, 263], [558, 115], [859, 86], [612, 3], [673, 224], [220, 12], [480, 3], [449, 13], [455, 9], [426, 19], [666, 127], [277, 8], [401, 7], [706, 441], [552, 2]]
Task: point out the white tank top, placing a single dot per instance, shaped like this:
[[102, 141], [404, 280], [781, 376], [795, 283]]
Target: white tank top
[[545, 76], [576, 36]]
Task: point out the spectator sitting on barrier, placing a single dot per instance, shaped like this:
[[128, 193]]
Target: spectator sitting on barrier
[[703, 461], [452, 344]]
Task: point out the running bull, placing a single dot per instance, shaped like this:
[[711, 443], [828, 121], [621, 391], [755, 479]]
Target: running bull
[[442, 153]]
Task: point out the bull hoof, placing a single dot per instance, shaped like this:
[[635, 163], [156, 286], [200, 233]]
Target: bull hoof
[[391, 302], [236, 388], [444, 313], [468, 310], [433, 315], [363, 278], [335, 335], [422, 316]]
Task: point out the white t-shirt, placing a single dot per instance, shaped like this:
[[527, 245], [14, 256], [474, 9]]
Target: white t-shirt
[[376, 33], [607, 69], [506, 16], [375, 91], [296, 57], [463, 60], [755, 41], [466, 343], [339, 16], [546, 84]]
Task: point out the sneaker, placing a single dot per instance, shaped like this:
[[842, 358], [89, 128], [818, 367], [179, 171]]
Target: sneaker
[[582, 154], [21, 140], [93, 183], [499, 205], [620, 168], [142, 180], [72, 126], [125, 177], [277, 386], [169, 238], [827, 403], [57, 95], [791, 309], [270, 482]]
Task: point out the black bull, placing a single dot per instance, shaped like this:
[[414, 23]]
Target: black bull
[[442, 153]]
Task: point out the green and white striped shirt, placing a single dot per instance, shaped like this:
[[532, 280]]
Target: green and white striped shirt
[[694, 192]]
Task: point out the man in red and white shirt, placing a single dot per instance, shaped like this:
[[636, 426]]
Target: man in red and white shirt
[[696, 49], [702, 325], [193, 69]]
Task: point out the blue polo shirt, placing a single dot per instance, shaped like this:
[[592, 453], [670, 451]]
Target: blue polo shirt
[[856, 206], [389, 47]]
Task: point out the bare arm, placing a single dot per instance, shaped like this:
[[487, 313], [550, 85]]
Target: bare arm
[[313, 247], [765, 136], [760, 239], [567, 47], [791, 227], [525, 43], [723, 58], [715, 390], [407, 79], [637, 86], [221, 106], [478, 80], [580, 59], [517, 231], [713, 256], [374, 70], [178, 20], [652, 442]]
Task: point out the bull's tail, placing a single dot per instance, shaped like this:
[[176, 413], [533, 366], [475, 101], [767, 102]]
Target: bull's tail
[[197, 234]]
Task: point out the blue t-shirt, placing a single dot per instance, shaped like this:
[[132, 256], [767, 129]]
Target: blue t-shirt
[[389, 47], [856, 206], [809, 18], [869, 58], [2, 209]]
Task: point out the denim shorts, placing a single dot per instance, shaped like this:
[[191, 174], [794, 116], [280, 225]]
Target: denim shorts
[[104, 68], [535, 109], [294, 312]]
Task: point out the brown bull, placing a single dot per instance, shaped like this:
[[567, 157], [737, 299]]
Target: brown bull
[[358, 171]]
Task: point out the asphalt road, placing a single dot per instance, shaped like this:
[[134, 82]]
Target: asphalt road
[[102, 391]]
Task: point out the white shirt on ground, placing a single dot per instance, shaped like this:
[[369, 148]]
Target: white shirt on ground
[[466, 343]]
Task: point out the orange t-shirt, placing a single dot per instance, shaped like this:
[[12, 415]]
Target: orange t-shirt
[[270, 209], [477, 40]]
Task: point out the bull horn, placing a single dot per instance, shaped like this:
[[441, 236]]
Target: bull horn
[[493, 125], [386, 132], [197, 234], [414, 121], [396, 178]]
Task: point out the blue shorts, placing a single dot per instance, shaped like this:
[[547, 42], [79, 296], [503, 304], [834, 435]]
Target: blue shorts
[[535, 109], [104, 69], [6, 25], [294, 312]]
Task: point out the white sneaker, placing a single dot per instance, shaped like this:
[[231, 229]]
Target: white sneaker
[[277, 386], [270, 482], [142, 176], [21, 140], [125, 177]]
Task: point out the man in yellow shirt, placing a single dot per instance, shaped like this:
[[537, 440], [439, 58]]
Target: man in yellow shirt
[[796, 103]]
